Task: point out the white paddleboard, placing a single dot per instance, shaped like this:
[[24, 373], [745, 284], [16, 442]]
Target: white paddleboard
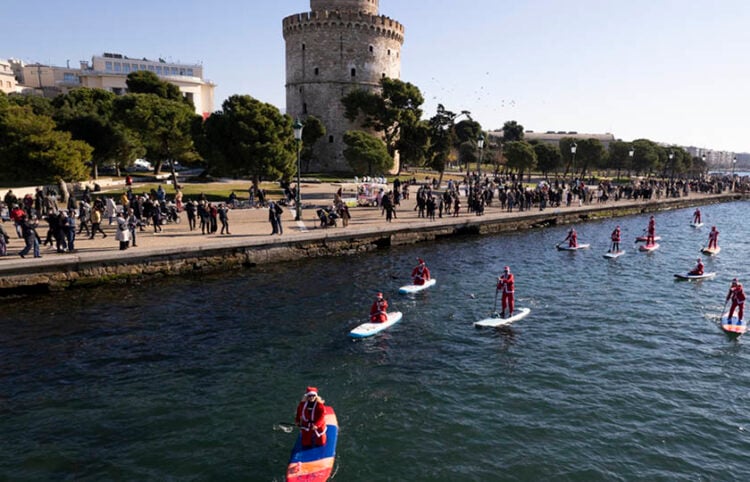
[[688, 276], [570, 248], [733, 326], [368, 329], [495, 321], [648, 247], [643, 239], [408, 289], [696, 225], [711, 251], [614, 255]]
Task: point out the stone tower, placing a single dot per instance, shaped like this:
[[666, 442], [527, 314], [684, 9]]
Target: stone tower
[[339, 46]]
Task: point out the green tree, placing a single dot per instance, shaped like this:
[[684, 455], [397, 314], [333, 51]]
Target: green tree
[[387, 112], [250, 138], [619, 156], [512, 131], [39, 105], [520, 156], [311, 133], [163, 126], [645, 156], [442, 138], [590, 153], [88, 115], [413, 144], [547, 157], [366, 154], [33, 151], [147, 82]]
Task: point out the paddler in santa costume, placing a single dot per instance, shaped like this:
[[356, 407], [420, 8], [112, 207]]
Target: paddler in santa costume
[[421, 273], [379, 310], [311, 418]]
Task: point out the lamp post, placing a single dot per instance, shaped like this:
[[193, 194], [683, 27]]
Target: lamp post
[[298, 195], [573, 148], [671, 166], [480, 145]]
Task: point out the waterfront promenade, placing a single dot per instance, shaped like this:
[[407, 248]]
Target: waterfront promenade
[[251, 230]]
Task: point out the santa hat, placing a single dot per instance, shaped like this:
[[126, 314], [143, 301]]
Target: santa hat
[[379, 295], [420, 260], [507, 268], [311, 391]]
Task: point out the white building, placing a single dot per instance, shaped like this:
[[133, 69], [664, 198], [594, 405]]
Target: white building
[[110, 71], [8, 82]]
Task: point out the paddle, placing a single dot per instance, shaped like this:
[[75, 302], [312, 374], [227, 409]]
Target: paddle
[[724, 310], [285, 427], [494, 308]]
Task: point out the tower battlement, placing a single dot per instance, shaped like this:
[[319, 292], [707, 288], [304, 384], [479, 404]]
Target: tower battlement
[[365, 6], [380, 24]]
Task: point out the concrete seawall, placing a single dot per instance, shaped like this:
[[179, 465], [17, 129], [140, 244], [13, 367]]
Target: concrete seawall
[[80, 270]]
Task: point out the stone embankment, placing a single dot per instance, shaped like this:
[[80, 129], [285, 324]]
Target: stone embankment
[[178, 250]]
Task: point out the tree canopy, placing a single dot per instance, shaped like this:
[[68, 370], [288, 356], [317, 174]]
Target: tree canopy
[[32, 150], [250, 138], [366, 154]]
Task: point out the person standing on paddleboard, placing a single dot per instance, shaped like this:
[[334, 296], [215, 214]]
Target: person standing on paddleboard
[[506, 283], [615, 240], [311, 418], [697, 216], [698, 270], [572, 238], [713, 238], [379, 310], [651, 231], [737, 294], [420, 274]]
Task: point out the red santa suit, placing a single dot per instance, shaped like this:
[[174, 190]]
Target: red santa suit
[[506, 284], [379, 310], [616, 239], [698, 268], [697, 216], [421, 273], [651, 231], [713, 238], [572, 238], [311, 419], [737, 294]]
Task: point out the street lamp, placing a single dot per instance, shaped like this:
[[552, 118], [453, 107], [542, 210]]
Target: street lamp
[[573, 148], [671, 166], [480, 145], [298, 198]]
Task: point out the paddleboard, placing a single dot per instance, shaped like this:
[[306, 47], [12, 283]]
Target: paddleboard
[[687, 276], [696, 225], [711, 251], [368, 329], [315, 463], [648, 247], [569, 248], [614, 255], [733, 326], [643, 239], [408, 289], [495, 321]]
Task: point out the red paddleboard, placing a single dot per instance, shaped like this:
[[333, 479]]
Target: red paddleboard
[[315, 464]]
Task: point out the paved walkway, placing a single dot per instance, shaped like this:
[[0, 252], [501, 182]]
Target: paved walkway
[[250, 227]]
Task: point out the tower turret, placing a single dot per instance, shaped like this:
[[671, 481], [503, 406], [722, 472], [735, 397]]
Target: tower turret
[[337, 47]]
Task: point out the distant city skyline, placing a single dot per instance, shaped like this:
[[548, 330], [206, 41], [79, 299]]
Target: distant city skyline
[[667, 70]]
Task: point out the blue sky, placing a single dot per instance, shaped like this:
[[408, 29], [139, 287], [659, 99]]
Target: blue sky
[[668, 70]]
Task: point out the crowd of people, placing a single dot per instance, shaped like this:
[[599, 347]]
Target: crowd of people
[[54, 218]]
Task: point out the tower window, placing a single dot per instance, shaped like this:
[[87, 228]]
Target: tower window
[[316, 71], [304, 108], [384, 75], [372, 49], [354, 72], [303, 46], [389, 51], [330, 139]]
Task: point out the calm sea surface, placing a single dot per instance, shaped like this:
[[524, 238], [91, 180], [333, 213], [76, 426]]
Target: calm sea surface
[[619, 373]]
